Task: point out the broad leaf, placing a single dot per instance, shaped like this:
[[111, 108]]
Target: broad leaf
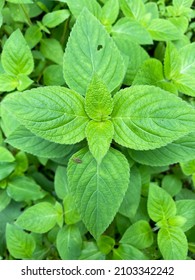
[[53, 19], [16, 57], [20, 244], [51, 46], [91, 252], [77, 6], [110, 12], [99, 136], [21, 188], [133, 8], [33, 35], [96, 55], [38, 218], [25, 140], [53, 113], [71, 214], [172, 243], [105, 244], [186, 84], [4, 199], [98, 100], [140, 124], [180, 150], [128, 252], [69, 242], [8, 82], [132, 197], [139, 235], [61, 183], [180, 3], [6, 168], [6, 155], [53, 75], [187, 55], [161, 206], [98, 187], [163, 30], [172, 184], [172, 62], [186, 208], [131, 29]]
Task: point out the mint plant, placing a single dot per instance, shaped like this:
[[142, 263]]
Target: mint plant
[[104, 122]]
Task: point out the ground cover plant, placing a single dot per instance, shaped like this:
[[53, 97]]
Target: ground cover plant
[[97, 135]]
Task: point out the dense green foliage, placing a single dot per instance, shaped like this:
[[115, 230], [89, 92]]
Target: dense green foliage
[[97, 135]]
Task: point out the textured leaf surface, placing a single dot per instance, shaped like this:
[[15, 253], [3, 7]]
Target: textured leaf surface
[[8, 82], [98, 100], [55, 18], [53, 113], [139, 235], [77, 6], [172, 243], [186, 208], [98, 187], [69, 242], [20, 244], [99, 136], [25, 140], [140, 124], [38, 218], [161, 206], [132, 29], [172, 62], [16, 57], [180, 150], [96, 55]]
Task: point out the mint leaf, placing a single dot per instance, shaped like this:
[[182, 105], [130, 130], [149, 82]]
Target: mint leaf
[[163, 30], [16, 56], [97, 187], [127, 28], [161, 206], [185, 3], [133, 9], [186, 209], [180, 150], [4, 200], [51, 46], [98, 55], [77, 6], [8, 82], [172, 61], [128, 252], [69, 242], [186, 84], [110, 12], [99, 136], [140, 124], [98, 100], [139, 235], [20, 244], [54, 18], [5, 155], [25, 140], [54, 113], [38, 218], [172, 243]]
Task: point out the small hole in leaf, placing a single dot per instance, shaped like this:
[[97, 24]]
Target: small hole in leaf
[[99, 47]]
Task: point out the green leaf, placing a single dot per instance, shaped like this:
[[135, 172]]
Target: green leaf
[[98, 187], [139, 235], [133, 8], [185, 3], [6, 168], [127, 28], [54, 113], [188, 167], [4, 200], [151, 73], [16, 56], [180, 150], [99, 136], [136, 55], [33, 35], [20, 244], [105, 244], [69, 242], [39, 218], [61, 182], [53, 19], [52, 50], [172, 243], [5, 155], [110, 12], [140, 124], [186, 209], [172, 61], [25, 140], [23, 82], [21, 188], [90, 252], [163, 30], [187, 55], [77, 6], [71, 215], [132, 197], [161, 206], [96, 55], [186, 84], [98, 100], [171, 184], [8, 82], [53, 76], [128, 252]]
